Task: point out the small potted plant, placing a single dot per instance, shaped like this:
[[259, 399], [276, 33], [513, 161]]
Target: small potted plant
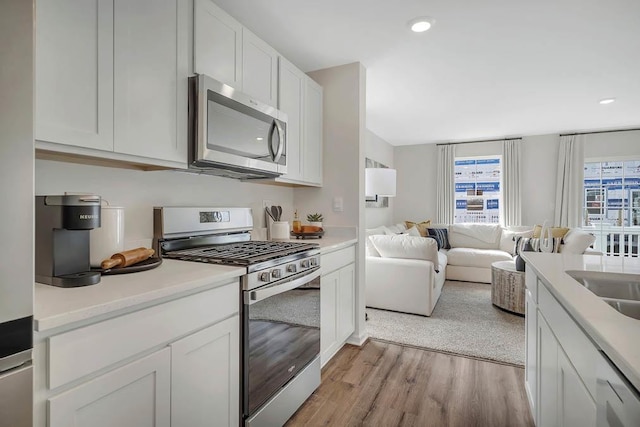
[[315, 219]]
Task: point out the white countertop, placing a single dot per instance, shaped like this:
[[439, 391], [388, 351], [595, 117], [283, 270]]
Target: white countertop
[[55, 307], [616, 334]]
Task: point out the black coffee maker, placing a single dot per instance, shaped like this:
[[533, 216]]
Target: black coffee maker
[[63, 224]]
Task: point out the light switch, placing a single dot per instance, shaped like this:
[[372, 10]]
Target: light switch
[[338, 204]]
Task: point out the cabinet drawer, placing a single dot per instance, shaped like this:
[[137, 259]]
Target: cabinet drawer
[[335, 260], [80, 352], [579, 349]]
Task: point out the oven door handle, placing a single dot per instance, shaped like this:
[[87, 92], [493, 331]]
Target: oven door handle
[[258, 295]]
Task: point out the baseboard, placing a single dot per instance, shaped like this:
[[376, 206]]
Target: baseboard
[[357, 340]]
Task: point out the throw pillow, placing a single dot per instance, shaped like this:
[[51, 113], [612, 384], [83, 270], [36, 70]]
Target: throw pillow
[[421, 226], [441, 235], [413, 231], [408, 247], [371, 250], [555, 231], [508, 239], [576, 241]]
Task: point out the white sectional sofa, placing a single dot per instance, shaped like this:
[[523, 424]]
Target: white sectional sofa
[[412, 282]]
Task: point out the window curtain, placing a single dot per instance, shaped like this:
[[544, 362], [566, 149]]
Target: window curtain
[[444, 184], [569, 185], [511, 160]]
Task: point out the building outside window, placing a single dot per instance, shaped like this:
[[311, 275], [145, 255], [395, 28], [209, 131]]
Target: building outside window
[[478, 189], [611, 208]]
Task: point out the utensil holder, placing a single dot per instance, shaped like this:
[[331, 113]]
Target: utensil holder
[[280, 230]]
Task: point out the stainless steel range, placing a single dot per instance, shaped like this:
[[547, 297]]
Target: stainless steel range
[[279, 301]]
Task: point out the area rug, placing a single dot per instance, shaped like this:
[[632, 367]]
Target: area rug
[[464, 322]]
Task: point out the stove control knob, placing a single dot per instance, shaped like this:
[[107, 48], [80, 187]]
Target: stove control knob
[[314, 262], [304, 263], [276, 273], [291, 268], [264, 277]]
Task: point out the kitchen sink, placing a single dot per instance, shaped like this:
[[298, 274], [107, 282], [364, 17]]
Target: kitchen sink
[[628, 308], [617, 286]]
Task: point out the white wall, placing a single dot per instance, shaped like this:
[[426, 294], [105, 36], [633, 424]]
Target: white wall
[[343, 173], [16, 159], [612, 145], [416, 182], [140, 191], [416, 165], [381, 151]]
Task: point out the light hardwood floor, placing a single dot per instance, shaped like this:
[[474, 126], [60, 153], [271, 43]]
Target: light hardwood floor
[[384, 384]]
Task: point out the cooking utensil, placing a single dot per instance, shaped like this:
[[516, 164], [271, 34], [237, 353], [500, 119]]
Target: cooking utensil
[[127, 258], [279, 213], [274, 213], [268, 211]]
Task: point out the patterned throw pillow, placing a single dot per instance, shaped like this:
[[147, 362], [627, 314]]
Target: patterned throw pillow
[[441, 235], [555, 231]]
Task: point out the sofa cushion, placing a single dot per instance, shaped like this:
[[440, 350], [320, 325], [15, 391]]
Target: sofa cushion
[[408, 247], [413, 231], [576, 241], [509, 237], [441, 236], [470, 257], [478, 236], [421, 226]]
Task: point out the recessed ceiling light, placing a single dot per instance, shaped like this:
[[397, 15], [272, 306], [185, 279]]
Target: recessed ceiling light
[[422, 24], [606, 101]]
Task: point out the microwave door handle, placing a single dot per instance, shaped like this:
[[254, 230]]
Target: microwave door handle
[[253, 297], [281, 140]]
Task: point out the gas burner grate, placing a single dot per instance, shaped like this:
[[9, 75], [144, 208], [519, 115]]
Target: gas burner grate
[[244, 253]]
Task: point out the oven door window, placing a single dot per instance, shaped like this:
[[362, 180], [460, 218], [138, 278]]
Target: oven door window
[[283, 337], [237, 129]]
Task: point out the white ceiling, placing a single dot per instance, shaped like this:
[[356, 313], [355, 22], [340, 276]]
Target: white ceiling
[[486, 69]]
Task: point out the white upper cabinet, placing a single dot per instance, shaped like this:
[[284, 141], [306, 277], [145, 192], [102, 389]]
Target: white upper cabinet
[[217, 44], [291, 101], [259, 69], [112, 76], [74, 73], [313, 99], [301, 98], [151, 71]]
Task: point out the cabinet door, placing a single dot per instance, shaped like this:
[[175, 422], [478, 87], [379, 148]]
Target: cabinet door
[[217, 44], [312, 141], [531, 364], [291, 82], [259, 69], [346, 302], [205, 377], [151, 78], [74, 72], [548, 376], [135, 395], [575, 405], [328, 315]]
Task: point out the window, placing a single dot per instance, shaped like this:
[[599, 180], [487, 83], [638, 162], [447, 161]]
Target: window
[[611, 208], [478, 189]]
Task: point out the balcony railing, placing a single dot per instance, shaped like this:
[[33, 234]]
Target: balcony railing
[[614, 240]]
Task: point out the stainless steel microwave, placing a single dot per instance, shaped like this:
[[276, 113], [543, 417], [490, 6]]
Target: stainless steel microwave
[[233, 134]]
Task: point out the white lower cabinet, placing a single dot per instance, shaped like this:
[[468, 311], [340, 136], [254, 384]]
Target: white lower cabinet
[[548, 375], [176, 363], [558, 363], [575, 405], [337, 301], [205, 382], [135, 395]]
